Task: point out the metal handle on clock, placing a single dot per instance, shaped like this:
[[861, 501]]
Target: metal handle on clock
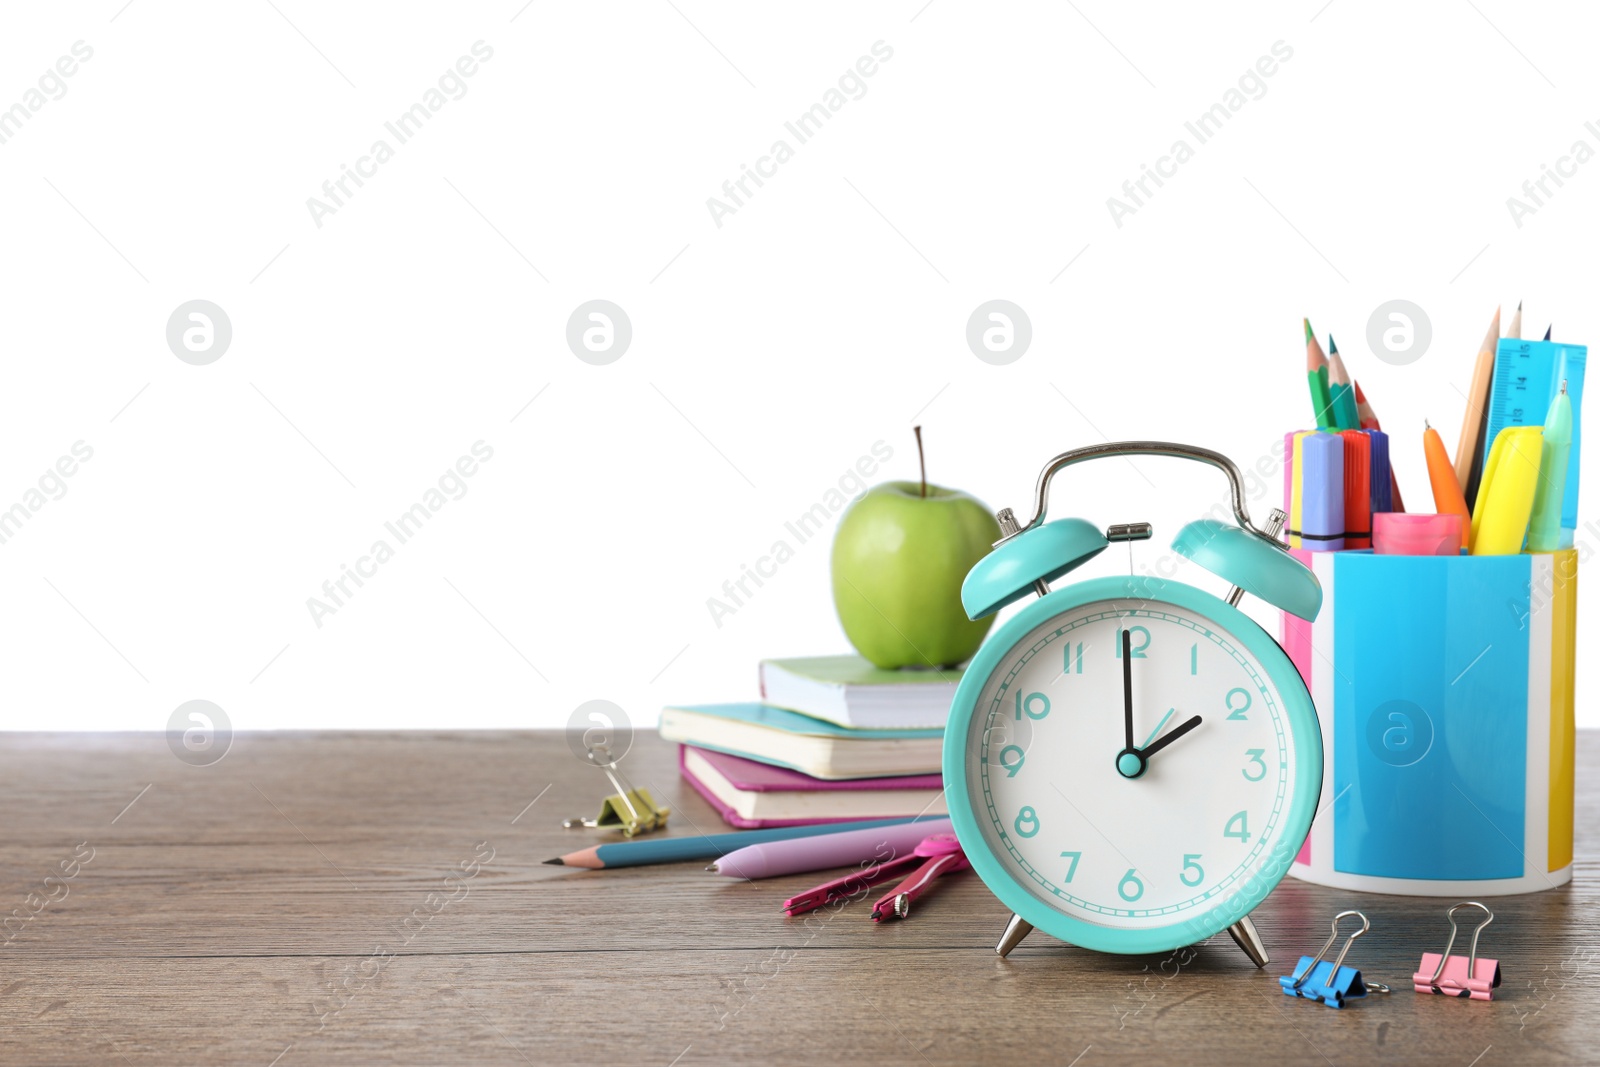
[[1145, 448]]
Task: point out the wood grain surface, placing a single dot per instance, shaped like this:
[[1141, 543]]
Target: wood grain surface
[[381, 898]]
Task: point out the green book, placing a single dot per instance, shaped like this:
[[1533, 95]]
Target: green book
[[811, 746], [852, 692]]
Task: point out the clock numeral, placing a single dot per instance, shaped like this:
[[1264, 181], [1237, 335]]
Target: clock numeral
[[1237, 710], [1072, 659], [1011, 769], [1030, 702], [1242, 821], [1029, 818], [1189, 864], [1194, 658], [1255, 755], [1130, 895], [1134, 633], [1072, 869]]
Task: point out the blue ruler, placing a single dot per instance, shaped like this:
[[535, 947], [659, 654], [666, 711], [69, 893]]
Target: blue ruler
[[1527, 376]]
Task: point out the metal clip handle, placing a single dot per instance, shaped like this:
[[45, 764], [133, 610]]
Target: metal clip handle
[[1472, 959], [643, 814], [1326, 945]]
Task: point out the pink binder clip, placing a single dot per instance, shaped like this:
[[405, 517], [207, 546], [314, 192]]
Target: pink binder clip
[[1453, 976]]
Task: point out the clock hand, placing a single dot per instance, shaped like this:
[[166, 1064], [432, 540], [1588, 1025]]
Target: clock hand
[[1182, 729], [1157, 730], [1130, 761], [1127, 689]]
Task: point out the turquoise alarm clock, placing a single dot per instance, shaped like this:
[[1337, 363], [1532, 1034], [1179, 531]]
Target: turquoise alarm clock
[[1131, 763]]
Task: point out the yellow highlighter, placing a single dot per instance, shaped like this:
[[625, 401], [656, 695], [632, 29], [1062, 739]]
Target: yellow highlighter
[[1294, 505], [1506, 492]]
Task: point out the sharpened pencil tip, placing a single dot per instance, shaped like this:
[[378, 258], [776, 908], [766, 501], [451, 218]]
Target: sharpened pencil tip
[[1519, 305], [1333, 349], [558, 861], [1309, 335]]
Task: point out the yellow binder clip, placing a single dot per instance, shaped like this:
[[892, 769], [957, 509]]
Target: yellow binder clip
[[633, 811]]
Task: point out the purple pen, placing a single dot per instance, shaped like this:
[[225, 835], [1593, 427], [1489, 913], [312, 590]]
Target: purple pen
[[844, 849]]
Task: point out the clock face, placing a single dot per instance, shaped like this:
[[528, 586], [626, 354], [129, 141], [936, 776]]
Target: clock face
[[1166, 839]]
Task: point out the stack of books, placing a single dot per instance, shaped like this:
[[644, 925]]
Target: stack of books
[[833, 739]]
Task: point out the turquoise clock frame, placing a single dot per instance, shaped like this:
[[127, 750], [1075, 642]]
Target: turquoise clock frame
[[1024, 561], [1305, 734]]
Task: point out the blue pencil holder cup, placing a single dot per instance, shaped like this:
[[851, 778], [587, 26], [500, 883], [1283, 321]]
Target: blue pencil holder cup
[[1444, 685]]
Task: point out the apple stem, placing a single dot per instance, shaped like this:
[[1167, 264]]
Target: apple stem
[[921, 462]]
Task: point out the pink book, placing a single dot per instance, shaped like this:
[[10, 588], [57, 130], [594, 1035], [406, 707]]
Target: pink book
[[752, 795]]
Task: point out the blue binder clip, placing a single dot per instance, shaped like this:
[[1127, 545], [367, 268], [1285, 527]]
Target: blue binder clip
[[1314, 978]]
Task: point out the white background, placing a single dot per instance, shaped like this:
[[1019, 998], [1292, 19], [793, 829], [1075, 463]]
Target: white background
[[768, 354]]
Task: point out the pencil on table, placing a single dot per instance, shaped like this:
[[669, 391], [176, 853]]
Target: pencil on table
[[699, 846]]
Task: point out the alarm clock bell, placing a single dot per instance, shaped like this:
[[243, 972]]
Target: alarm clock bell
[[1028, 558]]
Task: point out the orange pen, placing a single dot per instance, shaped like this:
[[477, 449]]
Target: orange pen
[[1447, 497]]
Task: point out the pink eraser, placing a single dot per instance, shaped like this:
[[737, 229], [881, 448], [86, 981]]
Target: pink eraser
[[1408, 533]]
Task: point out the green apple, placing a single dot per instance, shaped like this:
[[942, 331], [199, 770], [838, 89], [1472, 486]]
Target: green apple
[[899, 557]]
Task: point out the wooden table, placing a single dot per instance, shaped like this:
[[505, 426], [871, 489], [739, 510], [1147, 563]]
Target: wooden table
[[380, 898]]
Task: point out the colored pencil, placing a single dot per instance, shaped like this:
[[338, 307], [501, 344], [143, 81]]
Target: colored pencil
[[1317, 379], [1344, 398], [1515, 329], [1447, 499], [1369, 421], [698, 846], [1472, 420]]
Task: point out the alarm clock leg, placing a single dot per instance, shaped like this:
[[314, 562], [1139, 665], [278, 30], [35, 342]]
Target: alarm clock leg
[[1017, 929], [1245, 936]]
